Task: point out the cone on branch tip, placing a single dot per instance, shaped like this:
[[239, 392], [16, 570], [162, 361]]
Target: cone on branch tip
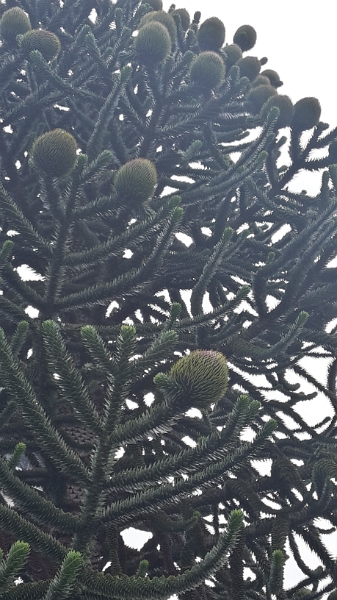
[[249, 67], [136, 180], [185, 18], [202, 376], [233, 53], [285, 106], [259, 95], [211, 35], [162, 17], [245, 37], [44, 41], [152, 44], [307, 112], [14, 22], [273, 77], [260, 80], [207, 70], [155, 4], [54, 153], [196, 17]]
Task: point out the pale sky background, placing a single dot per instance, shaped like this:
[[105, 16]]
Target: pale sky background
[[299, 40], [297, 37]]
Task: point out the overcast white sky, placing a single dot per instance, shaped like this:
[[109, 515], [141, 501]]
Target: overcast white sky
[[298, 38]]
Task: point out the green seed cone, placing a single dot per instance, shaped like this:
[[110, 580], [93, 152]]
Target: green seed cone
[[14, 22], [307, 114], [207, 70], [260, 80], [211, 35], [249, 67], [155, 4], [245, 37], [164, 18], [136, 180], [259, 95], [153, 44], [332, 595], [185, 18], [273, 77], [54, 153], [45, 41], [286, 107], [202, 376], [234, 53]]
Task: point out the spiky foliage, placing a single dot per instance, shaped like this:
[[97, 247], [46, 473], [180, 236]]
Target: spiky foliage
[[155, 4], [177, 235], [184, 17], [333, 152]]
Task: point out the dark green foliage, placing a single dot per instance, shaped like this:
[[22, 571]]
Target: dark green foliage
[[45, 42], [184, 15], [302, 593], [54, 153], [154, 207], [65, 583], [155, 4], [153, 44], [10, 567], [245, 37], [333, 152], [211, 34], [207, 70], [14, 22]]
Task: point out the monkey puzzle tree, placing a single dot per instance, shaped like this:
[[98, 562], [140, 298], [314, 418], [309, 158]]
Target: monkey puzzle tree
[[154, 261]]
